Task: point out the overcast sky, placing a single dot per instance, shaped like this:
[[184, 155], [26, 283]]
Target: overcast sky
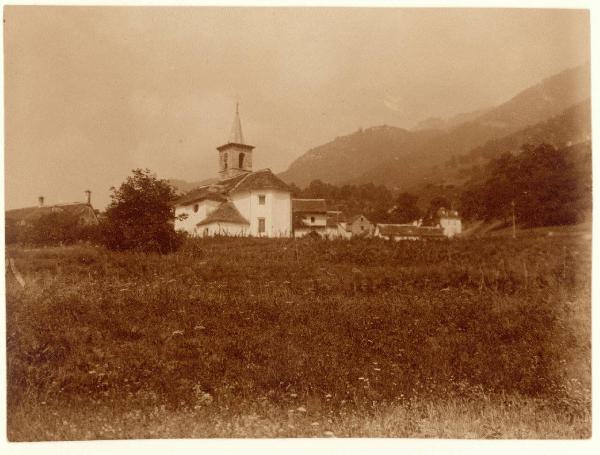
[[91, 93]]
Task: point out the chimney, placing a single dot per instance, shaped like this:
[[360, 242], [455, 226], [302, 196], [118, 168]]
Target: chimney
[[41, 201], [88, 196]]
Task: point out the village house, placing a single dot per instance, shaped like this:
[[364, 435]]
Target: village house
[[414, 231], [449, 221], [82, 210], [359, 225], [309, 216], [336, 225], [242, 203]]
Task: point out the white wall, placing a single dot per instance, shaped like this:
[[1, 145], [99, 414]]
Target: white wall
[[451, 226], [320, 219], [193, 218], [276, 211], [229, 229]]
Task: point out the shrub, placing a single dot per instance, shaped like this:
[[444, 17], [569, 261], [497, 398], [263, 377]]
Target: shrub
[[141, 216]]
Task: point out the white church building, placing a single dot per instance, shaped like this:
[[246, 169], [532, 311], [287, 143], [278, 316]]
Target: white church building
[[242, 203]]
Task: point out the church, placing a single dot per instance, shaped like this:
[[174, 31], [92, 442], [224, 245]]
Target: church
[[243, 202]]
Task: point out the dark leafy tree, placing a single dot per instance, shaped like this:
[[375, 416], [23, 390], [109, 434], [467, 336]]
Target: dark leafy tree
[[547, 186], [406, 209], [54, 228], [141, 215]]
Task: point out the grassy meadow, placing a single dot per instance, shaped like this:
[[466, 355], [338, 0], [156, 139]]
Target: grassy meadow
[[478, 338]]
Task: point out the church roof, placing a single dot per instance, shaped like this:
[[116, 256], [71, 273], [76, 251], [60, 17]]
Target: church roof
[[259, 180], [225, 213], [236, 136], [309, 205], [201, 194]]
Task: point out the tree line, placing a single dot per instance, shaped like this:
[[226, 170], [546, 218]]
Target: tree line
[[542, 185]]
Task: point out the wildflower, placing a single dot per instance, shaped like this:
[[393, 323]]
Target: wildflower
[[293, 395], [315, 424], [301, 409]]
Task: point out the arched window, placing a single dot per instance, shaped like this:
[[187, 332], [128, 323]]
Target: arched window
[[225, 160], [241, 159], [196, 208]]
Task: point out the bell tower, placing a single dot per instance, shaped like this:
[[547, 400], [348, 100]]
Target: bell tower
[[235, 156]]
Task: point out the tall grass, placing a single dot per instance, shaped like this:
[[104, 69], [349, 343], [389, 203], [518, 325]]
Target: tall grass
[[344, 331]]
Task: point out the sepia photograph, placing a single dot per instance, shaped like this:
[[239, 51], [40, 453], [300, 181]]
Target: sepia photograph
[[243, 222]]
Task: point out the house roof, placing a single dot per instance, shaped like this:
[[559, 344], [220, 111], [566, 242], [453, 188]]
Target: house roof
[[29, 214], [259, 180], [309, 206], [356, 217], [408, 230], [224, 213]]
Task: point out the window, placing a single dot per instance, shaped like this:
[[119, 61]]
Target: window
[[241, 161], [362, 228], [261, 225], [261, 199], [225, 160], [312, 219], [195, 208]]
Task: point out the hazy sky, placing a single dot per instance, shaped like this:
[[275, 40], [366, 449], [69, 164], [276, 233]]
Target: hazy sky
[[91, 93]]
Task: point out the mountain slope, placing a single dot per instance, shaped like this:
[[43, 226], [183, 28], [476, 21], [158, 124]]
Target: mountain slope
[[571, 126], [400, 158]]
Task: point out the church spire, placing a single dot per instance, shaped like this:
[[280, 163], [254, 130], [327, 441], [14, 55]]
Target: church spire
[[235, 156], [236, 136]]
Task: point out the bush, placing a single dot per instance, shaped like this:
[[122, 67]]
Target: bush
[[55, 228], [141, 216]]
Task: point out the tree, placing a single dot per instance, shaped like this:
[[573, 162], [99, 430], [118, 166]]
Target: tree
[[141, 215], [406, 209], [546, 185], [54, 228]]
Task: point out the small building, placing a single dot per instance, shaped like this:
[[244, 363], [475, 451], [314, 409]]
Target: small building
[[399, 232], [359, 225], [336, 225], [82, 210], [450, 222], [309, 216]]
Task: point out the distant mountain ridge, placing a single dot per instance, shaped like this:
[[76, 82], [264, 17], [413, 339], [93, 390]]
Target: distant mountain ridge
[[401, 158]]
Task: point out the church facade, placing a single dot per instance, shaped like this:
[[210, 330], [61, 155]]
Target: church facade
[[242, 203]]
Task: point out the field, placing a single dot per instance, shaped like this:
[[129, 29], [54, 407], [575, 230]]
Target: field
[[481, 338]]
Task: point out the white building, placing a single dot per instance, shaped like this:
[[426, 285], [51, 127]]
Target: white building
[[309, 216], [450, 222], [242, 202]]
